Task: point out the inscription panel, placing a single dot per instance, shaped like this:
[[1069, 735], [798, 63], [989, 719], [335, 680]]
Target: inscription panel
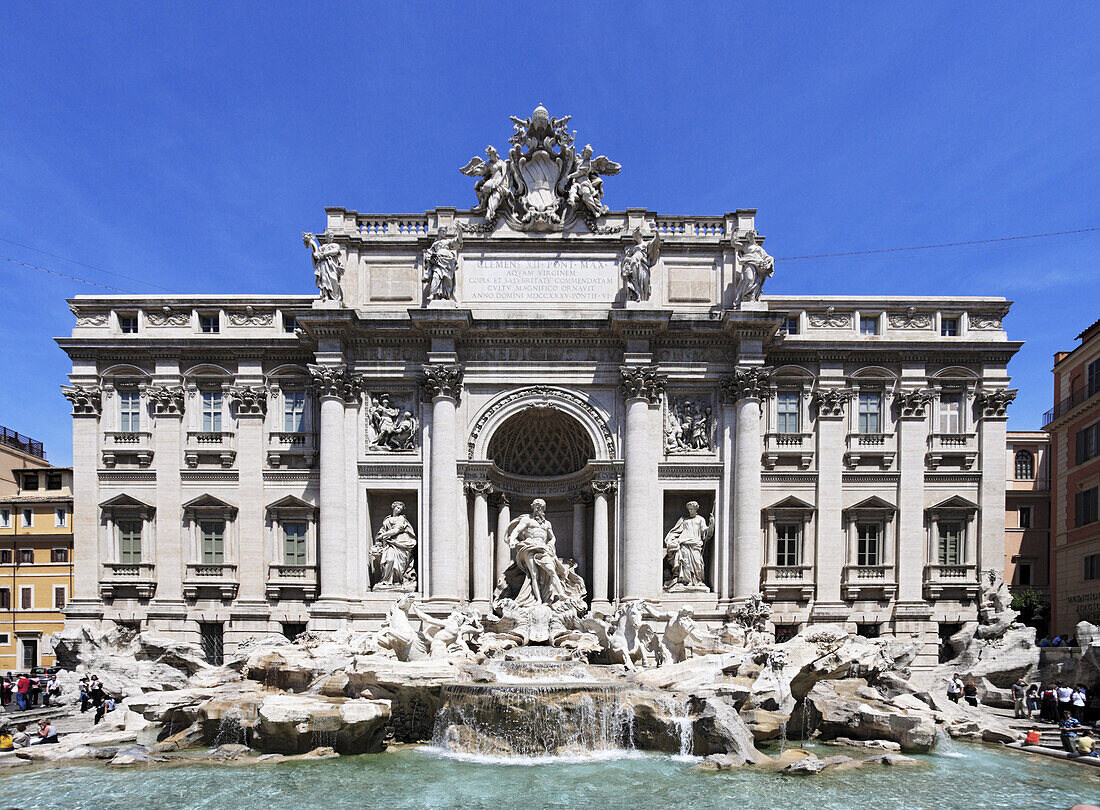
[[488, 279]]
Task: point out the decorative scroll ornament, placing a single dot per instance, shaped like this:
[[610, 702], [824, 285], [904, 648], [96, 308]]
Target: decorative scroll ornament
[[910, 319], [544, 185], [994, 403], [637, 266], [830, 318], [441, 380], [86, 399], [390, 427], [913, 403], [746, 383], [831, 401], [986, 320], [167, 400], [754, 267], [441, 265], [327, 267], [690, 426], [336, 381], [251, 400], [251, 317], [88, 318], [167, 316], [642, 382]]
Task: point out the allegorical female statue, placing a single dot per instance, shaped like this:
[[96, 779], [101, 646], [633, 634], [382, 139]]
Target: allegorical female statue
[[684, 550], [326, 266], [637, 265], [392, 552], [441, 265]]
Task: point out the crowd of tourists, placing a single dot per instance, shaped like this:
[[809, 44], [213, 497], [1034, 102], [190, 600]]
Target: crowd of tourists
[[27, 691], [93, 696], [45, 734], [1051, 702], [1057, 641]]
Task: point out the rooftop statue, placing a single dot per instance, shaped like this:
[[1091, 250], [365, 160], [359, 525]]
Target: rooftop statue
[[327, 268], [754, 266], [441, 263], [637, 266], [585, 188], [494, 185]]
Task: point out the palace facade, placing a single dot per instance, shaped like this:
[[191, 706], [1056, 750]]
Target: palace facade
[[235, 457]]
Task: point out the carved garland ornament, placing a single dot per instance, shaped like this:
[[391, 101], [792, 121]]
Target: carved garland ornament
[[252, 317], [642, 382], [336, 381], [994, 404], [913, 403], [830, 318], [911, 319], [168, 317], [831, 401], [986, 320], [441, 380], [168, 400], [747, 383], [86, 399]]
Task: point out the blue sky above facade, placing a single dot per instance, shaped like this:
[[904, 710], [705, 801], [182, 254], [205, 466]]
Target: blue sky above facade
[[189, 148]]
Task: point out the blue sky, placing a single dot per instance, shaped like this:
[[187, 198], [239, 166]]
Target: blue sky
[[188, 148]]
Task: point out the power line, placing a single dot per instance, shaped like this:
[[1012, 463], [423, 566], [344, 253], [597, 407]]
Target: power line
[[942, 245], [64, 275], [83, 264]]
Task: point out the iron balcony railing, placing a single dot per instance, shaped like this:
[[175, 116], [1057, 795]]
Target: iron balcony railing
[[1070, 402], [22, 443]]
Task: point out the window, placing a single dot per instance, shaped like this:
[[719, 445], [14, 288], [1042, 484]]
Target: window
[[129, 542], [1025, 465], [5, 518], [787, 407], [5, 556], [870, 411], [27, 518], [59, 555], [1093, 377], [290, 323], [785, 632], [786, 543], [60, 597], [26, 597], [1088, 443], [5, 639], [128, 324], [294, 543], [1092, 566], [53, 480], [60, 517], [5, 599], [867, 544], [1023, 573], [868, 630], [210, 324], [210, 633], [294, 411], [26, 556], [1085, 507], [213, 541], [129, 411], [212, 411], [950, 413], [1024, 513], [30, 480], [868, 325], [950, 543], [789, 326], [949, 327]]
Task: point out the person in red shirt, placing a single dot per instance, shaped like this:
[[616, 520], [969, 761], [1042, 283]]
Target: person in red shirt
[[22, 686]]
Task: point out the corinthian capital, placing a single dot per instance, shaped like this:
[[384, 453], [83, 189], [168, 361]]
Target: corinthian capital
[[87, 400], [994, 403], [336, 381], [913, 403], [168, 400], [642, 382], [831, 401], [441, 380], [251, 400], [747, 382]]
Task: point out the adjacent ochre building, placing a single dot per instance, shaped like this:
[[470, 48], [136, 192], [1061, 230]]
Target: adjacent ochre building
[[1073, 425], [235, 456]]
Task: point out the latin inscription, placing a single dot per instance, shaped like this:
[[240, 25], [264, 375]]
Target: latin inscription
[[491, 280]]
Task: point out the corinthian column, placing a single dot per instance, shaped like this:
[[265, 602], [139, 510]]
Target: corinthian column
[[746, 388], [501, 554], [601, 491], [483, 550], [642, 388], [334, 387], [442, 385]]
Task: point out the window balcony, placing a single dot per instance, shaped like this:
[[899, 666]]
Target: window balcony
[[869, 582], [794, 447], [217, 577], [788, 580], [136, 444], [217, 444], [953, 581], [870, 447], [962, 448], [118, 579], [285, 445], [285, 581]]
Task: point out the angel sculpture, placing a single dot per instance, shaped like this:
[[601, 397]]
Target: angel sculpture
[[754, 266], [638, 262], [326, 266], [441, 265], [585, 188], [493, 187]]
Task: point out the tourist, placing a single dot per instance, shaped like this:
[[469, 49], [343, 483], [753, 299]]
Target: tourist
[[5, 689], [85, 694], [1019, 698], [954, 688], [47, 734], [1048, 702], [107, 705], [1044, 641], [1086, 745], [6, 743], [34, 690], [1078, 699], [1057, 642], [20, 739], [1068, 730], [1034, 736], [970, 692], [22, 686], [1032, 700], [1065, 700], [95, 691], [51, 690]]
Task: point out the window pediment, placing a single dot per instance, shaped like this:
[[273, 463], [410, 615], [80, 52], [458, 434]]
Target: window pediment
[[291, 506], [791, 507], [209, 505], [871, 507], [128, 504]]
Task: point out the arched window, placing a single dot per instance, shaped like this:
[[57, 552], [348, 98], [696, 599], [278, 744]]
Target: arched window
[[1025, 465]]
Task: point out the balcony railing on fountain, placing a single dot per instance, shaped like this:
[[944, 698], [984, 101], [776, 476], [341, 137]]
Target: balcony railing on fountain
[[296, 580], [217, 444], [863, 581], [781, 579], [958, 580], [136, 444], [128, 576], [862, 447], [798, 447], [943, 447], [205, 576], [282, 445], [1078, 397]]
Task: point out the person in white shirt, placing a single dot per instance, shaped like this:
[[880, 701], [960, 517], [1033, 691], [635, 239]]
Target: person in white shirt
[[1064, 695], [954, 688], [1078, 699]]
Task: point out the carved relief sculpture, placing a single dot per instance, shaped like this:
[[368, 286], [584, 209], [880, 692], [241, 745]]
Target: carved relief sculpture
[[690, 426], [642, 382], [251, 316], [327, 268], [986, 320], [754, 267], [684, 543], [167, 316], [637, 266], [391, 555], [911, 319], [166, 399], [830, 318], [389, 427], [251, 400], [441, 263]]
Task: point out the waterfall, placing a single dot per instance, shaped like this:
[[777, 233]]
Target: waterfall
[[945, 746], [678, 711], [230, 731]]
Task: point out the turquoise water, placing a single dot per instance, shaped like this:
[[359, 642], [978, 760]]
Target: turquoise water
[[420, 778]]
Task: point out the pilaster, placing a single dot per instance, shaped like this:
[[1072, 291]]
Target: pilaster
[[250, 403], [87, 402], [643, 388], [441, 385], [831, 543], [912, 427]]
